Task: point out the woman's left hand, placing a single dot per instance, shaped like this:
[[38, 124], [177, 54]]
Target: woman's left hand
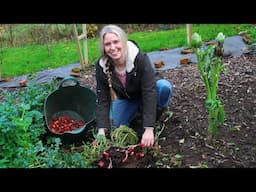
[[148, 137]]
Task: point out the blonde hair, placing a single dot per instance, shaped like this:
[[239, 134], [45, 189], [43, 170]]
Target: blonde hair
[[123, 38], [112, 29]]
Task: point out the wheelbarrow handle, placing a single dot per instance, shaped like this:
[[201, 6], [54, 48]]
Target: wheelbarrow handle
[[68, 78]]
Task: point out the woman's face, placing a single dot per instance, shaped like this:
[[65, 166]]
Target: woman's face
[[113, 46]]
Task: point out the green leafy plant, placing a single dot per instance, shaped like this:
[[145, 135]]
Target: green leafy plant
[[91, 151], [21, 125], [124, 136], [209, 62]]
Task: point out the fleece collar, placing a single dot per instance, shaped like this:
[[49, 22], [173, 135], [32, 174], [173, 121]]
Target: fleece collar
[[132, 52]]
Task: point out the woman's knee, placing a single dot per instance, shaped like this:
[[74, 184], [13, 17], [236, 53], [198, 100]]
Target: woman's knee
[[164, 92]]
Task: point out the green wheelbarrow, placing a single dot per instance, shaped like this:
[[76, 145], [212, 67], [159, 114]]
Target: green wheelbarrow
[[73, 101]]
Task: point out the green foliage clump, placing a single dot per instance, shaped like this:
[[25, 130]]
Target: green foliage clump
[[124, 136]]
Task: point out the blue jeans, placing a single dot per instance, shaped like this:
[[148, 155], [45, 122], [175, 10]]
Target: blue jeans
[[124, 111]]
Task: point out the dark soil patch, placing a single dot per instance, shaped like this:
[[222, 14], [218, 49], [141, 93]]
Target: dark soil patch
[[234, 146]]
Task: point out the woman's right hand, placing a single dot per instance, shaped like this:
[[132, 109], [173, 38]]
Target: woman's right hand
[[148, 137]]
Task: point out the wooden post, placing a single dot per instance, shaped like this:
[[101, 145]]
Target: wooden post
[[78, 46], [189, 33], [83, 60], [85, 45], [1, 51]]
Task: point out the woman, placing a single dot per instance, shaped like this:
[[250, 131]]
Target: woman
[[126, 85]]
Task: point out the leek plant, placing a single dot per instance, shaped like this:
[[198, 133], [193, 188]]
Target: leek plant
[[209, 62]]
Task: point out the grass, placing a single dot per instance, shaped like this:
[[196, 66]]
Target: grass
[[30, 59]]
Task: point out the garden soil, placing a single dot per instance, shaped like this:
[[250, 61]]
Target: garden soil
[[183, 141]]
